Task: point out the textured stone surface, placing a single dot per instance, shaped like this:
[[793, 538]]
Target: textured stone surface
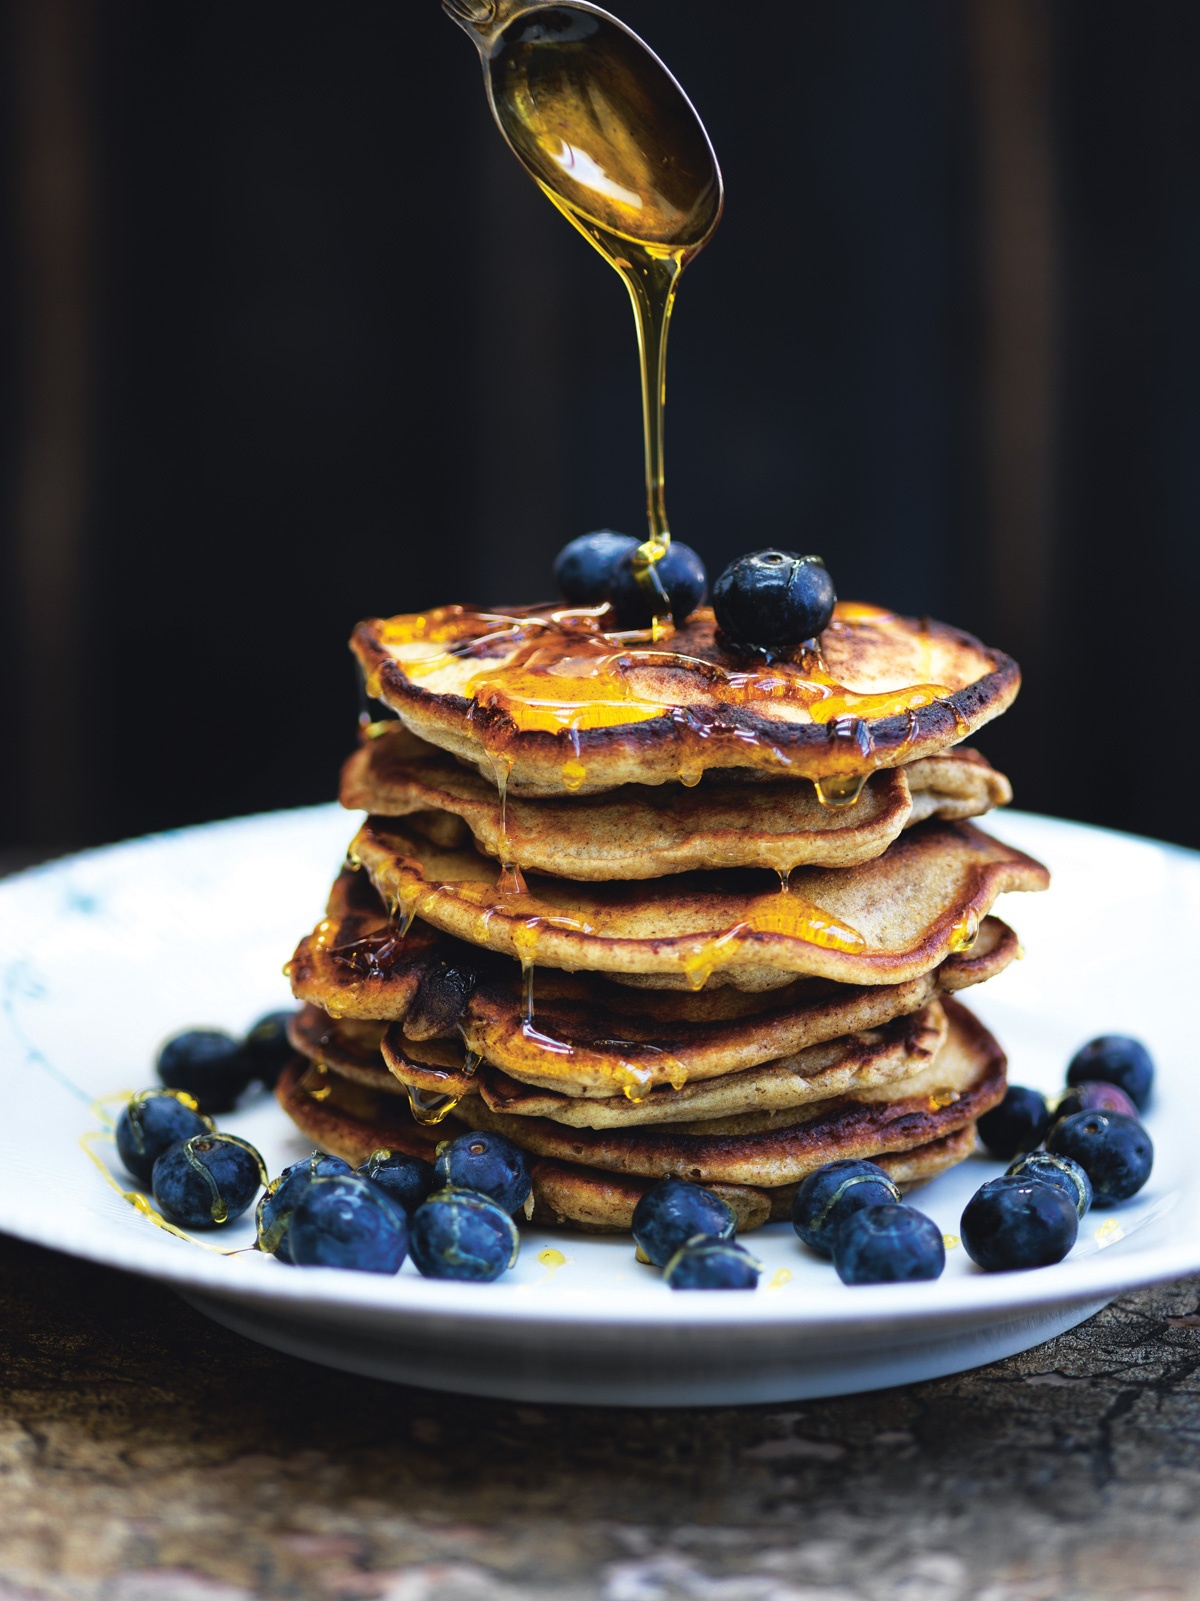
[[147, 1455]]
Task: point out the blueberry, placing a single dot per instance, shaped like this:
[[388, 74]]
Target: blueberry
[[674, 1212], [343, 1221], [584, 569], [1017, 1222], [406, 1179], [1093, 1097], [1115, 1059], [1059, 1171], [268, 1047], [682, 576], [888, 1245], [707, 1264], [830, 1194], [208, 1064], [1017, 1125], [207, 1180], [773, 598], [459, 1234], [275, 1209], [489, 1163], [1115, 1152], [151, 1123]]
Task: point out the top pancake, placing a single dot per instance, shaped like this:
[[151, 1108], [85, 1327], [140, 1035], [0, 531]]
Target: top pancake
[[546, 697], [644, 832]]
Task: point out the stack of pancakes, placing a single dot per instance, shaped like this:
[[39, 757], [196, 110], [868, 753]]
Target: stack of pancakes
[[653, 910]]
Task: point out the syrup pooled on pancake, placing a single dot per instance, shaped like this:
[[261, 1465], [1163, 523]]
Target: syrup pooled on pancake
[[884, 921], [544, 701]]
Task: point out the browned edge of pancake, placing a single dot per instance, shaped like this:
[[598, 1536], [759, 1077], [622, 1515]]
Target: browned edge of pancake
[[637, 832], [653, 751], [566, 1195], [777, 1154], [748, 957]]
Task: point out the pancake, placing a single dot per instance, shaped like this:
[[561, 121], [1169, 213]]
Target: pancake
[[356, 962], [544, 695], [642, 832], [599, 1042], [839, 1067], [443, 1068], [882, 922], [843, 1066], [592, 1037], [351, 1049], [590, 1200], [768, 1149]]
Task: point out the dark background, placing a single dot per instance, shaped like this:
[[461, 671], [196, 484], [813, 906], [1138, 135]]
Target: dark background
[[290, 339]]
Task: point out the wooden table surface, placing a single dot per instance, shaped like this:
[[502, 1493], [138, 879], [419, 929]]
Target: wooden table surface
[[148, 1455]]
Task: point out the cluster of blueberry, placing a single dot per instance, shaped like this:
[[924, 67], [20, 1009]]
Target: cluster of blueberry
[[689, 1232], [454, 1217], [769, 600], [851, 1211], [1090, 1148], [201, 1178]]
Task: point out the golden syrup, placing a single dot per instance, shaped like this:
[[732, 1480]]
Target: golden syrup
[[429, 1108], [511, 881], [551, 1260], [611, 140], [965, 930], [573, 771], [798, 918], [135, 1198], [315, 1083], [789, 914], [564, 695], [841, 790], [779, 1278], [940, 1099], [554, 670], [951, 1241]]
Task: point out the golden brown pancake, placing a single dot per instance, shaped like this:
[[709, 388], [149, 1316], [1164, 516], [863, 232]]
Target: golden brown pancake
[[350, 1048], [843, 1066], [643, 832], [594, 1040], [882, 922], [442, 1068], [591, 1037], [352, 1123], [575, 710], [770, 1149]]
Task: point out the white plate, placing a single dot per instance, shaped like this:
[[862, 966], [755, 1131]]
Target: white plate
[[103, 954]]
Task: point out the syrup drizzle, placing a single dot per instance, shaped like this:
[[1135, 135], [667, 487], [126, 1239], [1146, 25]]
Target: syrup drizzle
[[557, 671], [612, 142], [135, 1198]]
